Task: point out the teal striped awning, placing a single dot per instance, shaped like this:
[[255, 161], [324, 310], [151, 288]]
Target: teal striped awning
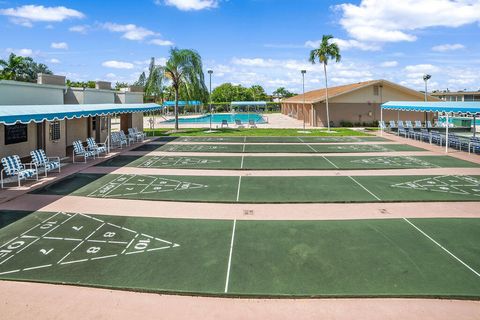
[[468, 108], [182, 103], [12, 114]]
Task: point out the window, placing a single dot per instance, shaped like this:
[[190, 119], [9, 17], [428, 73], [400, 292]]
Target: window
[[375, 91], [468, 97], [16, 133], [54, 131], [94, 123]]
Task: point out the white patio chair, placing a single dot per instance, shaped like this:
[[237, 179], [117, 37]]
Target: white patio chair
[[80, 151], [40, 159], [13, 166], [98, 148], [252, 124], [126, 138]]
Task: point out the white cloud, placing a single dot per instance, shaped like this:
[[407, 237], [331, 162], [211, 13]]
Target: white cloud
[[448, 47], [80, 29], [346, 44], [27, 14], [389, 64], [110, 75], [254, 62], [130, 31], [117, 64], [59, 45], [393, 21], [191, 5], [161, 42], [422, 68], [21, 52], [54, 61]]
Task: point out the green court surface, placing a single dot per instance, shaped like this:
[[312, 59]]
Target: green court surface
[[278, 148], [251, 189], [275, 139], [288, 163], [352, 258]]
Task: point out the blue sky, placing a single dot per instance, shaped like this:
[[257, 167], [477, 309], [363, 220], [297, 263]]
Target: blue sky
[[250, 42]]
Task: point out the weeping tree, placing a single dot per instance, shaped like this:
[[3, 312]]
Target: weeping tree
[[185, 72], [325, 52]]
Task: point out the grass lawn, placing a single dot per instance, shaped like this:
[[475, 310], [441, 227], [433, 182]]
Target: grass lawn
[[349, 258], [253, 132]]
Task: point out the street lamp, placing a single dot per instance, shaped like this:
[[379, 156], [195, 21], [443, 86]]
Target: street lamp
[[303, 89], [210, 99], [426, 77]]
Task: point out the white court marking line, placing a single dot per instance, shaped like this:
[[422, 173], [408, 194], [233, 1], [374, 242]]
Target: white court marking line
[[33, 268], [315, 151], [442, 247], [8, 242], [104, 257], [128, 245], [365, 188], [241, 164], [78, 245], [230, 255], [40, 223], [243, 150], [244, 139], [333, 164], [11, 271], [301, 140], [116, 187], [238, 189], [74, 261]]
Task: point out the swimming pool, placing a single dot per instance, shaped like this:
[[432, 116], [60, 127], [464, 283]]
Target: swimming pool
[[219, 117]]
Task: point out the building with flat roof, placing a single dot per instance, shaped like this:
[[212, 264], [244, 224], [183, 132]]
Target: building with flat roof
[[459, 96], [56, 136], [356, 103]]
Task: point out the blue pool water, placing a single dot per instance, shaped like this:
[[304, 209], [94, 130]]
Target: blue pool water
[[218, 117]]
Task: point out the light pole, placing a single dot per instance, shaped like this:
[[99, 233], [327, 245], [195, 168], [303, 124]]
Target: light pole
[[210, 71], [303, 90], [426, 77]]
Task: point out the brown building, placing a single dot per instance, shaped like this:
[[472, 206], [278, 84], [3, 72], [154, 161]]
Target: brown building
[[354, 103]]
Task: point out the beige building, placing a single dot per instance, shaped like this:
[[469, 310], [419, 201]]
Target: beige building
[[357, 103], [56, 137]]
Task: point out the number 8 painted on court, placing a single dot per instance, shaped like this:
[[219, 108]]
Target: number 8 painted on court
[[93, 250]]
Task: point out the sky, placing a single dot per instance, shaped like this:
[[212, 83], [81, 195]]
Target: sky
[[249, 42]]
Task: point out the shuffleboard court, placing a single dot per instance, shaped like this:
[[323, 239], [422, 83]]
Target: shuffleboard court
[[349, 258], [278, 139], [288, 163], [278, 148], [257, 189]]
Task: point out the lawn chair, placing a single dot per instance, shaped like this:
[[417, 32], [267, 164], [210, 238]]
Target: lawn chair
[[474, 145], [418, 124], [13, 166], [436, 137], [80, 151], [98, 148], [133, 135], [40, 159], [252, 124], [454, 141], [224, 123], [424, 135], [141, 134], [123, 137], [382, 126], [428, 124], [392, 125], [408, 124], [116, 141], [239, 124]]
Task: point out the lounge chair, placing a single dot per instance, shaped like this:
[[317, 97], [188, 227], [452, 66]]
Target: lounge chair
[[436, 137], [40, 159], [428, 124], [454, 141], [252, 124], [381, 125], [98, 148], [116, 141], [418, 124], [80, 151], [474, 145], [141, 134], [239, 123], [392, 124], [13, 166], [224, 123], [126, 138], [408, 124]]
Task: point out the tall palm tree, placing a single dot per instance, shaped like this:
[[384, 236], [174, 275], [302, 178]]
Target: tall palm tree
[[326, 51], [185, 71]]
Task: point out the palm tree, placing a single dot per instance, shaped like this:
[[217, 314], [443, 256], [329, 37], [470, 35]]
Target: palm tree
[[184, 70], [12, 68], [325, 52]]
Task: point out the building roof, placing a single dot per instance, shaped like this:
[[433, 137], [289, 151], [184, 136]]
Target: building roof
[[454, 107], [458, 93], [316, 96], [11, 114]]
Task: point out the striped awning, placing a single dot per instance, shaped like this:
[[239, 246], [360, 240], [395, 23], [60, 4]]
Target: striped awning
[[442, 107], [12, 114], [181, 103]]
